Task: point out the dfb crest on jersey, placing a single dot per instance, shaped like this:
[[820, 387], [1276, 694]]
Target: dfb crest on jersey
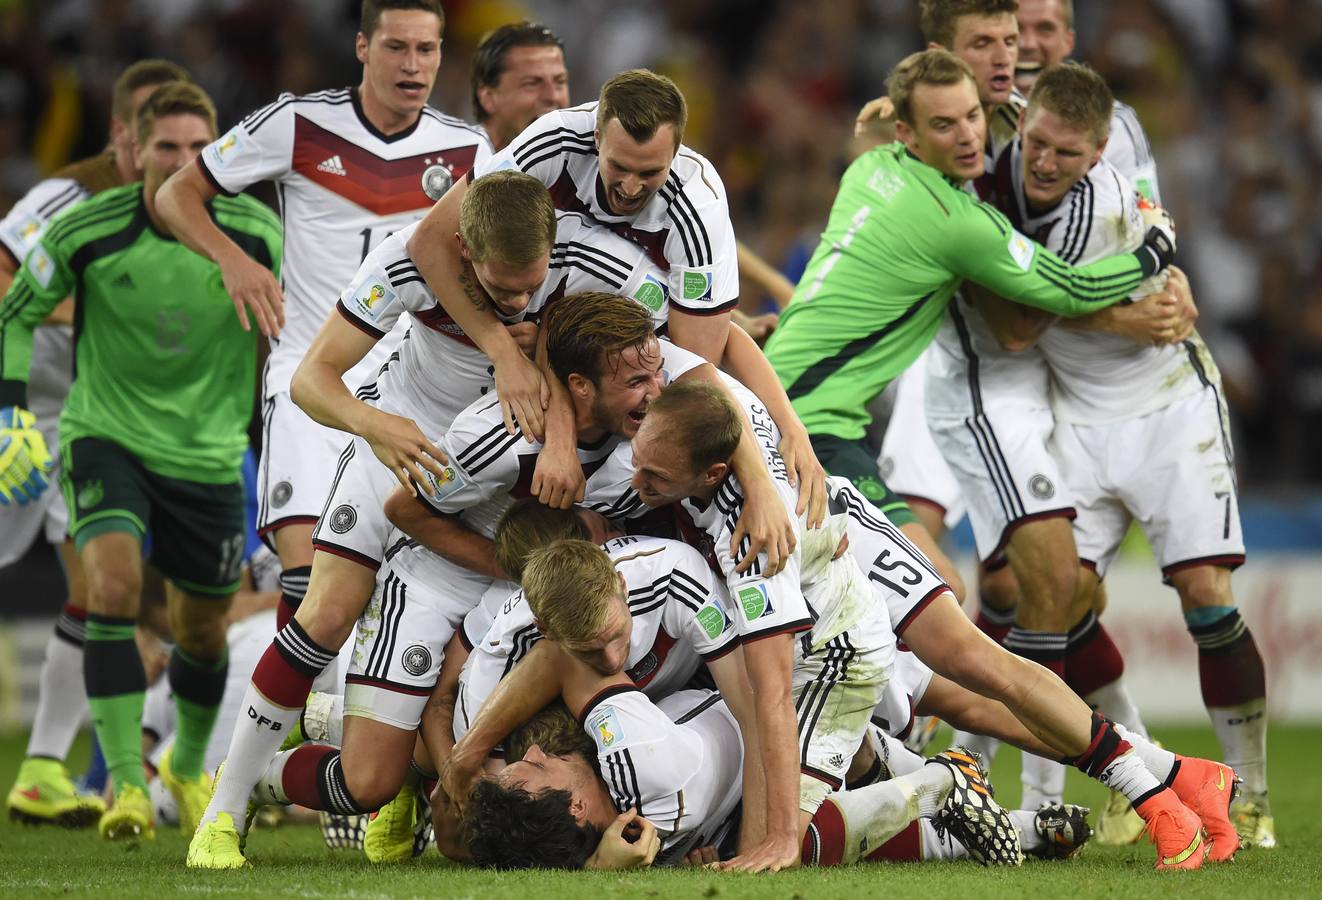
[[436, 180], [281, 493], [1041, 487], [342, 518], [417, 660]]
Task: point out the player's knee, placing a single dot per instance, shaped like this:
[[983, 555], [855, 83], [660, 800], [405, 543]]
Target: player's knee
[[202, 637], [1201, 589], [998, 588], [372, 787], [328, 617], [114, 591]]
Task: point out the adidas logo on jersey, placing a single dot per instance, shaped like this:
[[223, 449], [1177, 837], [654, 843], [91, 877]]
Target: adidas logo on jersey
[[332, 166], [124, 281]]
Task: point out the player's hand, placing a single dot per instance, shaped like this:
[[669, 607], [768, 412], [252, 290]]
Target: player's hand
[[806, 472], [631, 842], [1155, 216], [772, 855], [1159, 242], [456, 781], [403, 449], [759, 328], [702, 856], [764, 523], [1177, 283], [557, 480], [525, 335], [251, 286], [879, 108], [1151, 321], [524, 395], [24, 460]]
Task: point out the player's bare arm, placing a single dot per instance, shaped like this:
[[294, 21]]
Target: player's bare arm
[[769, 661], [558, 479], [442, 533], [437, 725], [181, 202], [1016, 327], [520, 385], [318, 388], [730, 673], [1167, 316], [746, 362], [758, 272]]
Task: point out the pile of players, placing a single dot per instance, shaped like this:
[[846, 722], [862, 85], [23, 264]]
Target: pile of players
[[606, 606]]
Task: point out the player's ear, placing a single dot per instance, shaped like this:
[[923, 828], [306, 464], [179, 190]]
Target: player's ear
[[581, 387], [578, 809], [904, 134], [463, 247], [1101, 148], [715, 472], [540, 627], [360, 47]]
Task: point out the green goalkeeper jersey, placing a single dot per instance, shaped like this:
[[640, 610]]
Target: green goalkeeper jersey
[[900, 239], [162, 366]]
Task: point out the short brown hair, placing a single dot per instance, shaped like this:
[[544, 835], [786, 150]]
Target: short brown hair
[[934, 67], [372, 9], [939, 19], [489, 58], [528, 525], [508, 215], [569, 585], [699, 417], [642, 101], [143, 73], [178, 98], [585, 331], [1078, 95]]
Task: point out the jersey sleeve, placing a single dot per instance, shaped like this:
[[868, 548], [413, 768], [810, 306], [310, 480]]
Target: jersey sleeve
[[646, 760], [373, 301], [44, 279], [483, 463], [540, 149], [259, 148], [609, 491], [700, 245], [23, 225], [980, 245], [700, 610], [1129, 151], [677, 362]]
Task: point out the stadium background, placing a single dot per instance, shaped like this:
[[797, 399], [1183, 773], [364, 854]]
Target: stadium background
[[1230, 92]]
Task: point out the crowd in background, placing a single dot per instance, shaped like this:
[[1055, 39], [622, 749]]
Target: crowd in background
[[1230, 92]]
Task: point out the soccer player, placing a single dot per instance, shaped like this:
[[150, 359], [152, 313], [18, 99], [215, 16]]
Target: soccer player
[[42, 791], [518, 74], [351, 166], [1168, 390], [621, 161], [153, 438]]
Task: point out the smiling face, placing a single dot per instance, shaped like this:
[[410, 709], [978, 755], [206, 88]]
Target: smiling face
[[1056, 156], [1044, 37], [400, 61], [632, 171], [949, 130], [662, 472], [989, 44], [631, 380]]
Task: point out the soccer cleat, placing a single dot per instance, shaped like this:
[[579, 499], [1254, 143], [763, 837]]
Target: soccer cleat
[[1254, 822], [1208, 788], [191, 795], [216, 845], [43, 794], [422, 824], [130, 816], [971, 815], [343, 832], [389, 835], [1174, 829], [1118, 824], [1063, 828]]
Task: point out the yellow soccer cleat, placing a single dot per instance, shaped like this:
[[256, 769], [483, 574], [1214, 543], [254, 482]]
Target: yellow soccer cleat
[[216, 845], [191, 795], [1118, 824], [130, 816], [389, 836], [43, 794], [1254, 821]]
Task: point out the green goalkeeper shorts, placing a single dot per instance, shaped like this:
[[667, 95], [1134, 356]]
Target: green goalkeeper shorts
[[857, 461]]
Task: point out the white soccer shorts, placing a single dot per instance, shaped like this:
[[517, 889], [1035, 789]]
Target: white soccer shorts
[[1172, 470], [400, 640], [354, 525], [909, 679], [297, 468], [1006, 472], [910, 463]]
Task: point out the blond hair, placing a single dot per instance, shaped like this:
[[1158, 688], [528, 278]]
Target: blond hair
[[699, 417], [178, 98], [1077, 95], [528, 525], [569, 585], [932, 67], [642, 101], [509, 216]]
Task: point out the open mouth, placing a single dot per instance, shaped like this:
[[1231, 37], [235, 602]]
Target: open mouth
[[967, 160], [636, 416], [412, 88], [1001, 83], [628, 203]]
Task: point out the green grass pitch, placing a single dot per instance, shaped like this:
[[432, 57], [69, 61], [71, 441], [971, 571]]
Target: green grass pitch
[[292, 862]]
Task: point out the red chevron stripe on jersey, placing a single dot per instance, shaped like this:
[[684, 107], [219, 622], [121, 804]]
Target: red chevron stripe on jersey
[[383, 186]]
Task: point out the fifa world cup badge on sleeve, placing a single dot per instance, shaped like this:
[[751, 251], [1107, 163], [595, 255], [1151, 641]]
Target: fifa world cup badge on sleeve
[[40, 265], [605, 727], [441, 486], [219, 154], [371, 299], [1021, 250]]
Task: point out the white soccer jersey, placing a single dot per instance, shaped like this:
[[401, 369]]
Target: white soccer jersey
[[21, 228], [343, 187], [680, 613], [490, 468], [1128, 150], [678, 761], [438, 370], [1099, 378], [685, 229]]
